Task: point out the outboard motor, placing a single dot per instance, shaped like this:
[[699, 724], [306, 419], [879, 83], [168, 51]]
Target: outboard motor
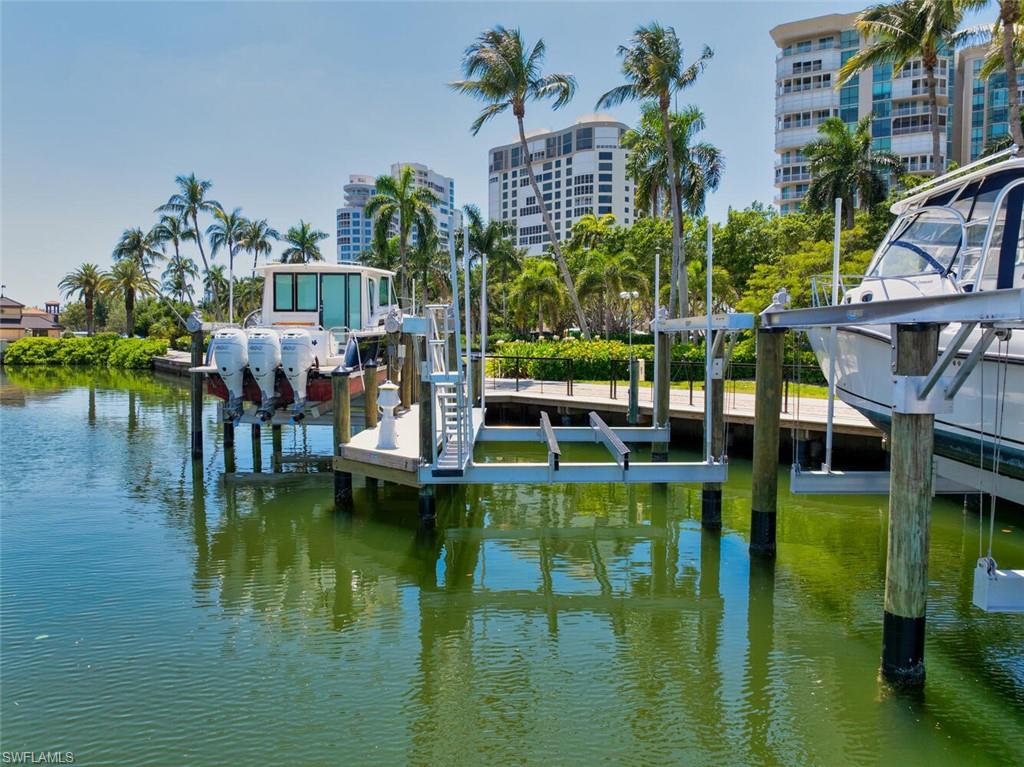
[[229, 352], [264, 360], [297, 357]]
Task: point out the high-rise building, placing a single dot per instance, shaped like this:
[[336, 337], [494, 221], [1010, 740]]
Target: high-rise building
[[355, 228], [580, 169], [806, 71], [983, 116]]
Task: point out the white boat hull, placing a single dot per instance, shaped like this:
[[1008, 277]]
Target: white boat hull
[[967, 435]]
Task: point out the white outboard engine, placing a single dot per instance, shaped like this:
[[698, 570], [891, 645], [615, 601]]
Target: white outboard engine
[[229, 352], [264, 360], [297, 357]]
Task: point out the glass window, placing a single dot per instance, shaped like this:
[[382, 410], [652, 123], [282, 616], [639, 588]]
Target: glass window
[[584, 138], [848, 39], [355, 295], [384, 296], [283, 297], [305, 293], [924, 243]]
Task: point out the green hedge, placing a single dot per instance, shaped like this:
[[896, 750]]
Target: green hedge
[[104, 350], [598, 360]]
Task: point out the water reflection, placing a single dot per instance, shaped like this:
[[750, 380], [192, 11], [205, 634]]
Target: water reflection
[[533, 624]]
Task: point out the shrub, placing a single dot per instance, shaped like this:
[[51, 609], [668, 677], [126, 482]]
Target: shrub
[[32, 351], [106, 349], [136, 352]]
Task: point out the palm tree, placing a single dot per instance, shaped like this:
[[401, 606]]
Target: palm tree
[[399, 201], [382, 253], [501, 72], [188, 202], [901, 31], [141, 247], [249, 294], [303, 244], [538, 291], [226, 232], [604, 275], [256, 237], [1004, 54], [493, 241], [653, 65], [173, 229], [427, 255], [844, 165], [215, 286], [178, 277], [87, 282], [128, 281]]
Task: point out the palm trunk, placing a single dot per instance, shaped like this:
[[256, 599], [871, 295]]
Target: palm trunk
[[933, 115], [89, 308], [1010, 14], [555, 246], [129, 312], [676, 223], [231, 282], [199, 242]]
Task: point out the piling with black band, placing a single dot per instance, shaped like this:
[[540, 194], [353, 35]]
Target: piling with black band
[[711, 492], [767, 406], [197, 396], [341, 403], [910, 500], [370, 394], [662, 375]]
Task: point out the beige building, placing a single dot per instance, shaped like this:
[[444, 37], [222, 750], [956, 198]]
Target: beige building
[[17, 321], [811, 52], [984, 105]]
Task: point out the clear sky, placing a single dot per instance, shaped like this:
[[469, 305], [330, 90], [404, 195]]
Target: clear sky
[[103, 104]]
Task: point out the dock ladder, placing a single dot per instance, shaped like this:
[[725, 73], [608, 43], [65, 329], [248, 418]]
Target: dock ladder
[[448, 388]]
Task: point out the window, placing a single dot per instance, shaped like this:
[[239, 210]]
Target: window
[[604, 155], [584, 138], [284, 300], [849, 39], [305, 293], [567, 142]]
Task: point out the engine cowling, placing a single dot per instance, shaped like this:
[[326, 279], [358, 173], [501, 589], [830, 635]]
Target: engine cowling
[[297, 357], [264, 360], [229, 351]]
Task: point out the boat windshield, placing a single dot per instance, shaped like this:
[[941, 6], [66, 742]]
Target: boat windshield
[[925, 242]]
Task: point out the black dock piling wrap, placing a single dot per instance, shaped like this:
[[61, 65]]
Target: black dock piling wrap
[[197, 395], [370, 394], [767, 406], [633, 412], [910, 501], [341, 402]]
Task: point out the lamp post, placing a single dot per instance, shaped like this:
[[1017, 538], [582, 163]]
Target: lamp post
[[630, 296]]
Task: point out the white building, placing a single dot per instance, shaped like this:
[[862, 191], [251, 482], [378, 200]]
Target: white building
[[355, 229], [580, 169], [806, 70]]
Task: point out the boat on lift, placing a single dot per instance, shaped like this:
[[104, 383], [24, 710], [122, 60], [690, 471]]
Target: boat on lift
[[314, 317], [958, 233]]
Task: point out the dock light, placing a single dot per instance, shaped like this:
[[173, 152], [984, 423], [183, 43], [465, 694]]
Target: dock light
[[387, 400], [630, 296]]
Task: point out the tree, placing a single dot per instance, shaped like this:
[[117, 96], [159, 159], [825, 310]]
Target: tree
[[402, 203], [604, 275], [173, 229], [502, 73], [87, 283], [178, 277], [493, 241], [249, 294], [255, 238], [901, 31], [538, 292], [127, 281], [141, 247], [382, 253], [215, 286], [226, 233], [844, 165], [303, 244], [652, 63], [429, 259], [1007, 50], [188, 202]]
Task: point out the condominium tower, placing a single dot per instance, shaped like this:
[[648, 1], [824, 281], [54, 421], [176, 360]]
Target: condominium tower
[[806, 72], [580, 169], [355, 228], [985, 104]]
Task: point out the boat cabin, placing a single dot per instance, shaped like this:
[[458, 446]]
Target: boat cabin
[[329, 296], [952, 234]]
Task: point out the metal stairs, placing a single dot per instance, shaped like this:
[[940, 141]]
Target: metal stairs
[[449, 392]]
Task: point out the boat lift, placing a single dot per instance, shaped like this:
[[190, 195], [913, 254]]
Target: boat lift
[[458, 426]]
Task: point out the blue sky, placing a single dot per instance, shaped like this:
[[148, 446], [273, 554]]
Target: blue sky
[[103, 104]]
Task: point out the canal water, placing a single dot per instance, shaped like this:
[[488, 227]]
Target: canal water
[[154, 615]]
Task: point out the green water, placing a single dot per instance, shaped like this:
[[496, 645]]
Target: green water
[[151, 615]]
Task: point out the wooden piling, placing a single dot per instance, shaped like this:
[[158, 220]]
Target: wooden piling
[[910, 501], [257, 448], [197, 396], [662, 375], [427, 498], [633, 413], [341, 402], [405, 384], [370, 394], [767, 406], [276, 447], [711, 492]]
